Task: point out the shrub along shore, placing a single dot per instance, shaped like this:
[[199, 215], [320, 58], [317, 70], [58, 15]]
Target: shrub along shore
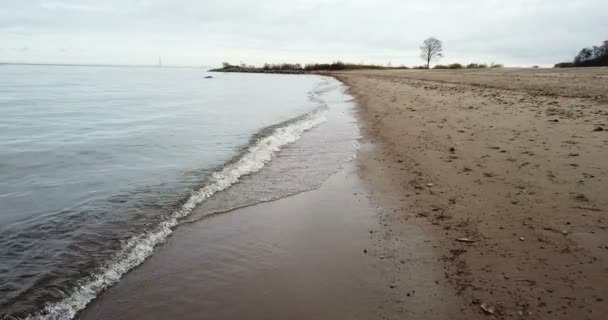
[[587, 57], [297, 68]]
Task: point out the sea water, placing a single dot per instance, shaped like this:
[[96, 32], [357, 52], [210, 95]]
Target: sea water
[[99, 165]]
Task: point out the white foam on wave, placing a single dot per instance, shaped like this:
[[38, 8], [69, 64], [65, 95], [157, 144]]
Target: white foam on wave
[[140, 247]]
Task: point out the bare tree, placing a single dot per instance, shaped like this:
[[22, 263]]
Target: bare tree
[[431, 49]]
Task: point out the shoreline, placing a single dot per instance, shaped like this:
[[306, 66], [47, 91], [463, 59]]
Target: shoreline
[[466, 200], [226, 188], [506, 178], [265, 249], [261, 262]]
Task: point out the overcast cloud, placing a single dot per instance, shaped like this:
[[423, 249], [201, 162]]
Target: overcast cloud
[[201, 32]]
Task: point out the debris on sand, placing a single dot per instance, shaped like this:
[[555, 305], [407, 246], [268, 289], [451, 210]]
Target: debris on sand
[[487, 309], [467, 240], [597, 129], [209, 77], [581, 198]]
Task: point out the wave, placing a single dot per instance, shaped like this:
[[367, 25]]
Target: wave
[[137, 249]]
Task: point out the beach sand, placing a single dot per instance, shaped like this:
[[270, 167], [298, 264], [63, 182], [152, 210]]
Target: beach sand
[[514, 164]]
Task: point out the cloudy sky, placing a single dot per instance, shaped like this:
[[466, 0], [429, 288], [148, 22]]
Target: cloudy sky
[[207, 32]]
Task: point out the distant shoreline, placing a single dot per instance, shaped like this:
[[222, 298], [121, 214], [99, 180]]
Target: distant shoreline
[[98, 65], [288, 68], [237, 69]]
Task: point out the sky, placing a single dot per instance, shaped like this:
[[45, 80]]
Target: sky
[[207, 33]]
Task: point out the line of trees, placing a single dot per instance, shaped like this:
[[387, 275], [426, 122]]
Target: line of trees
[[338, 65], [299, 68], [596, 56], [430, 50], [468, 66]]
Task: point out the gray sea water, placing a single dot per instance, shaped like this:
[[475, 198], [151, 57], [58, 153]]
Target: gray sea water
[[99, 165]]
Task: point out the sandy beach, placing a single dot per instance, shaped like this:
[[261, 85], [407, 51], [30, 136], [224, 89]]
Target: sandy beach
[[506, 171]]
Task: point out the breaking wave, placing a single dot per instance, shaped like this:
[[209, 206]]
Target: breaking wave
[[262, 148]]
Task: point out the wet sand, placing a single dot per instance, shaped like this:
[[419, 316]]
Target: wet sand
[[506, 170], [316, 255]]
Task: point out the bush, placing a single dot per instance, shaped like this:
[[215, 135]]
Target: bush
[[564, 65], [449, 66], [477, 66], [339, 65], [298, 68]]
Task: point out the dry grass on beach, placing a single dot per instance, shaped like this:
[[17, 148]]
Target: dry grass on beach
[[508, 170]]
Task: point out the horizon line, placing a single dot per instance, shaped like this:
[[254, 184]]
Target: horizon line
[[100, 65]]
